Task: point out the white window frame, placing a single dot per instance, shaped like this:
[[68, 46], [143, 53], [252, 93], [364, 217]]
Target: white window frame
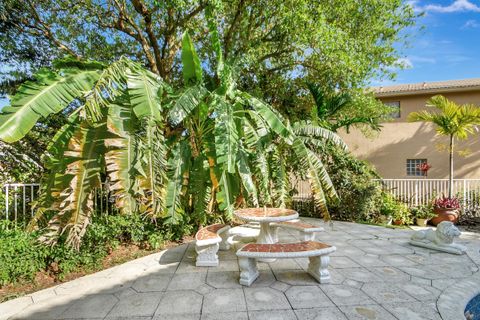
[[411, 164]]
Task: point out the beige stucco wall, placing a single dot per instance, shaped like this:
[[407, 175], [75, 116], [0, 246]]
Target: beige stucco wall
[[400, 140]]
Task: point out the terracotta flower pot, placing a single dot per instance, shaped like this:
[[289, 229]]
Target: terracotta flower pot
[[444, 214], [397, 222]]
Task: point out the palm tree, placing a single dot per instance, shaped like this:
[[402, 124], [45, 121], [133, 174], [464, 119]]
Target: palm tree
[[176, 156], [457, 122], [331, 111]]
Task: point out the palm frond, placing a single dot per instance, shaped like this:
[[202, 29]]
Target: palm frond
[[309, 131], [317, 175]]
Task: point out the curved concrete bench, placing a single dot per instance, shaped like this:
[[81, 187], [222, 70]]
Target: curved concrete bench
[[306, 230], [244, 233], [317, 252], [208, 240]]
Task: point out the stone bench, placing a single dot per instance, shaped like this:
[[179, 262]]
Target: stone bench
[[244, 233], [306, 230], [317, 253], [208, 240]]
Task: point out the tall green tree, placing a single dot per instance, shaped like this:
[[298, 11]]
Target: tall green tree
[[457, 122], [277, 44], [179, 156]]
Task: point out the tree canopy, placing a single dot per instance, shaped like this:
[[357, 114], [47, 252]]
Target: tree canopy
[[277, 44]]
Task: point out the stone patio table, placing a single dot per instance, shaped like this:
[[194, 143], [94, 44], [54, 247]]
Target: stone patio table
[[265, 216]]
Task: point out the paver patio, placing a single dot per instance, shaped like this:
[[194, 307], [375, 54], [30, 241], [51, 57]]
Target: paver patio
[[375, 273]]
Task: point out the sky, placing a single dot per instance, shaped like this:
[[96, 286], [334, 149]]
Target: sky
[[444, 45]]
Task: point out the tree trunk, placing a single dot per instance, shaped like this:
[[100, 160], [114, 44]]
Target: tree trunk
[[450, 182]]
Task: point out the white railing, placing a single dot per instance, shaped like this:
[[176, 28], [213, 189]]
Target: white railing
[[416, 192], [17, 199]]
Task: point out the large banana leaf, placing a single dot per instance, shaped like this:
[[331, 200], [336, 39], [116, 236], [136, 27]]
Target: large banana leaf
[[192, 69], [186, 103], [178, 165], [123, 165], [86, 149], [200, 188], [255, 144], [281, 179], [228, 191], [55, 181], [246, 176], [49, 93], [145, 90], [274, 120], [226, 135], [153, 157]]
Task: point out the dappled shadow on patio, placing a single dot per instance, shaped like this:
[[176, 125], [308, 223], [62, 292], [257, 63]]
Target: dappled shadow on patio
[[375, 272]]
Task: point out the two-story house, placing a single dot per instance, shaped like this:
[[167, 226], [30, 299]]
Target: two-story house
[[401, 146]]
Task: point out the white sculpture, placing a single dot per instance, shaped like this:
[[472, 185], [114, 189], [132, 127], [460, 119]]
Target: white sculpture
[[440, 239]]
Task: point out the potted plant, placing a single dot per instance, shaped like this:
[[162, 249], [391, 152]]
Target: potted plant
[[387, 208], [422, 214], [401, 215], [446, 209]]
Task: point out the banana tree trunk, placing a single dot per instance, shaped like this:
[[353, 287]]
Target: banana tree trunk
[[450, 182]]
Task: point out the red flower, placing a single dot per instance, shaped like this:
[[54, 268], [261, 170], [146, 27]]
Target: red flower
[[424, 167], [446, 203]]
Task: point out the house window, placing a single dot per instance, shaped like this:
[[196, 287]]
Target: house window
[[395, 106], [413, 167]]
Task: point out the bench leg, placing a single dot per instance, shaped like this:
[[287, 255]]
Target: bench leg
[[275, 234], [207, 256], [308, 236], [225, 244], [317, 268], [248, 270]]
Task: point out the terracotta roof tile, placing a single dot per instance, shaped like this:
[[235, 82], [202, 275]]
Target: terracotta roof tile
[[417, 88]]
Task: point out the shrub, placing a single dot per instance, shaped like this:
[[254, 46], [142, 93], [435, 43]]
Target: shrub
[[353, 180], [423, 211], [20, 256]]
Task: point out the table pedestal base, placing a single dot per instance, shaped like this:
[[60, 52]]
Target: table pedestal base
[[266, 236]]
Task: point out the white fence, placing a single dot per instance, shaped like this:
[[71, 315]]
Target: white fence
[[17, 199], [416, 192]]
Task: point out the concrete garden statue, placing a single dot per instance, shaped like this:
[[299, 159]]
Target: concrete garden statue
[[440, 239]]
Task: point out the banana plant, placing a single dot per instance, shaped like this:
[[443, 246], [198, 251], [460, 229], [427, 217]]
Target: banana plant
[[177, 156]]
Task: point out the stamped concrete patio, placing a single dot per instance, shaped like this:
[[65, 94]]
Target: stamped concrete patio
[[376, 274]]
